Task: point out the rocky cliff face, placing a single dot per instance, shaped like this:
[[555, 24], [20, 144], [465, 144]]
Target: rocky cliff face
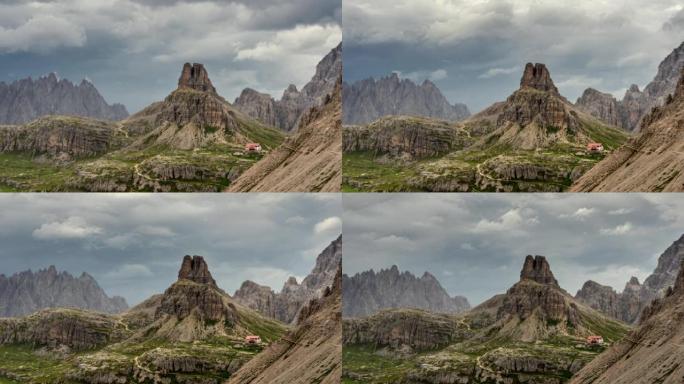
[[58, 328], [286, 305], [406, 137], [536, 308], [308, 161], [287, 112], [193, 116], [195, 269], [601, 105], [635, 104], [195, 77], [629, 304], [26, 292], [311, 353], [368, 100], [537, 116], [651, 161], [27, 99], [649, 354], [61, 137], [367, 293]]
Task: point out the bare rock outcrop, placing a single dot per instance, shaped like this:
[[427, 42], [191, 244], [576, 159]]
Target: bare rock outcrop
[[60, 137], [288, 112], [537, 269], [368, 100], [370, 292], [649, 354], [26, 292], [311, 353], [601, 105], [653, 161], [537, 76], [27, 99], [195, 77], [194, 268], [287, 304], [56, 328]]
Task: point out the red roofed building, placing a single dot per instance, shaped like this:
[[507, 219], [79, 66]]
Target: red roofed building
[[253, 339], [253, 147], [594, 340], [595, 147]]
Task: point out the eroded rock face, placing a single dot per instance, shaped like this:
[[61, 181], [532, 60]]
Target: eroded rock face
[[27, 99], [287, 112], [26, 292], [368, 100], [655, 343], [537, 269], [195, 77], [417, 329], [53, 328], [403, 136], [194, 268], [367, 293], [625, 306], [636, 104], [60, 137], [286, 305], [538, 77], [601, 105]]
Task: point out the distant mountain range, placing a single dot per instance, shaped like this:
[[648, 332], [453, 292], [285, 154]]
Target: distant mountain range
[[27, 99], [286, 305], [368, 100], [367, 293], [287, 112], [629, 112], [26, 292]]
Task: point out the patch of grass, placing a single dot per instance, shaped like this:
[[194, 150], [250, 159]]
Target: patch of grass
[[363, 173], [363, 365]]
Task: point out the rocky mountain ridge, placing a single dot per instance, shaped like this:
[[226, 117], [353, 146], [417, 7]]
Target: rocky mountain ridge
[[629, 112], [311, 353], [287, 113], [368, 100], [307, 161], [287, 304], [649, 354], [649, 162], [27, 99], [630, 303], [367, 293], [26, 292]]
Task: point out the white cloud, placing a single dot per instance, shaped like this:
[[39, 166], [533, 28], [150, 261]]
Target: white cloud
[[302, 39], [331, 224], [121, 241], [620, 211], [420, 76], [73, 227], [510, 221], [580, 214], [619, 230], [295, 220], [493, 72], [42, 34]]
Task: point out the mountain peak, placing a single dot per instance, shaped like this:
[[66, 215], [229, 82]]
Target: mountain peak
[[195, 76], [195, 269], [536, 268], [537, 76]]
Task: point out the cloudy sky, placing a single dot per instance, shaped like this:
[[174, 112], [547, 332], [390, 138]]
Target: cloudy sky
[[133, 244], [133, 50], [476, 244], [475, 50]]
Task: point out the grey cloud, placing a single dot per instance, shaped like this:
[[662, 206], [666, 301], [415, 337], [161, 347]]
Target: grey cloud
[[133, 244], [475, 244], [605, 45]]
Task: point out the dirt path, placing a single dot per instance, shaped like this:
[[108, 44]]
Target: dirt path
[[136, 169]]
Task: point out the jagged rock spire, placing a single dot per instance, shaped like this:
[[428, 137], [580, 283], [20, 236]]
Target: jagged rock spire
[[195, 76], [536, 268], [195, 269], [537, 76]]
